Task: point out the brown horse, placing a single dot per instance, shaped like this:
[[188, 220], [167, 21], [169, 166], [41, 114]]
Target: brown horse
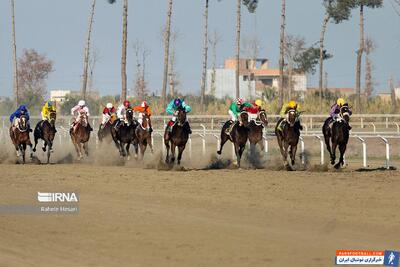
[[336, 135], [143, 135], [239, 135], [256, 130], [287, 134], [104, 132], [178, 137], [20, 137], [46, 131], [80, 134]]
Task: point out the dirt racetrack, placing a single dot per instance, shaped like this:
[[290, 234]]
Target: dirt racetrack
[[140, 217]]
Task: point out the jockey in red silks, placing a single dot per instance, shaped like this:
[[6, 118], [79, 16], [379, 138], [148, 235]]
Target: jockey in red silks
[[107, 112], [77, 110], [254, 109]]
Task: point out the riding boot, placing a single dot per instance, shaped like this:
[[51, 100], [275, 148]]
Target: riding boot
[[187, 127], [230, 128]]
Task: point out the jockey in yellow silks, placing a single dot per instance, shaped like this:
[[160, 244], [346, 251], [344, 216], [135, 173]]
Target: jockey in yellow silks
[[47, 109]]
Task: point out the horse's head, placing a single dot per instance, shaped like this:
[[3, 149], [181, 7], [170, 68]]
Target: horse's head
[[146, 120], [129, 115], [52, 117], [23, 123], [244, 118], [181, 116], [83, 118], [292, 117], [345, 113], [262, 116]]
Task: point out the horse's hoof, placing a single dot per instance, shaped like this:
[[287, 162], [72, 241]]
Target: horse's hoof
[[34, 150], [332, 162], [337, 166], [219, 152], [44, 149]]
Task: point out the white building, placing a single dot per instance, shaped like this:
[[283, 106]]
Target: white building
[[59, 95]]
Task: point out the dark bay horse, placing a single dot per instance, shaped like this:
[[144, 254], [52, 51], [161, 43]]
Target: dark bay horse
[[178, 137], [337, 134], [80, 135], [20, 137], [256, 130], [104, 132], [46, 131], [238, 136], [288, 135], [124, 135], [143, 135]]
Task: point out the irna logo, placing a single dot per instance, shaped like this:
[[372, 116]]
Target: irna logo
[[57, 197]]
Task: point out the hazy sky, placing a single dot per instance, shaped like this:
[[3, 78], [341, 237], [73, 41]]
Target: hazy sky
[[58, 29]]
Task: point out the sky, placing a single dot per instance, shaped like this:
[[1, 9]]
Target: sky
[[57, 28]]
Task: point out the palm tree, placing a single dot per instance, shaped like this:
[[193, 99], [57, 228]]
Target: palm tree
[[15, 65], [336, 11], [167, 34], [251, 6], [124, 44], [87, 52], [205, 54], [282, 53], [361, 4]]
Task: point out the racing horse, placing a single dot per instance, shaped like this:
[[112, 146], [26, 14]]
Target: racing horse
[[178, 137], [20, 137], [124, 135], [104, 132], [336, 133], [287, 134], [80, 135], [256, 130], [239, 135], [143, 135], [46, 131]]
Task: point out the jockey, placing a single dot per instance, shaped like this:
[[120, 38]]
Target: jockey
[[256, 107], [143, 109], [47, 108], [107, 112], [292, 105], [75, 111], [236, 107], [173, 108], [335, 110], [14, 118], [121, 113]]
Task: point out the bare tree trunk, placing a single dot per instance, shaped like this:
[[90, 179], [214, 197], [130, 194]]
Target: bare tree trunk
[[124, 44], [282, 54], [87, 52], [321, 58], [15, 63], [205, 54], [166, 52], [239, 5], [214, 43], [359, 58], [393, 95], [290, 80]]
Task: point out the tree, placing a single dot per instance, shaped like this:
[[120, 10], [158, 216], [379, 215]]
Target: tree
[[214, 40], [167, 36], [251, 47], [33, 70], [251, 7], [369, 83], [205, 56], [124, 44], [140, 84], [87, 52], [15, 65], [93, 59], [361, 4], [335, 11], [172, 73], [282, 53]]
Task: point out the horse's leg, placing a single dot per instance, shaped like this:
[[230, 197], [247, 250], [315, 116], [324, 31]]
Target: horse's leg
[[44, 145], [173, 148], [224, 138], [36, 142], [86, 148], [239, 151], [167, 146], [136, 146], [150, 144], [333, 155], [23, 148], [282, 149], [261, 144], [293, 150], [143, 147], [50, 147], [342, 149], [180, 151], [328, 146]]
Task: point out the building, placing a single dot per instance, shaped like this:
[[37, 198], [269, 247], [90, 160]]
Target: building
[[385, 97], [255, 76], [60, 95]]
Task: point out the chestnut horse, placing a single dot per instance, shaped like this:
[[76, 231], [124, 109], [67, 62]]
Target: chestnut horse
[[80, 135], [20, 137]]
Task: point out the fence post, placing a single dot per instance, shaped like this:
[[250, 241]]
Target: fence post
[[212, 123], [233, 152], [311, 123], [387, 122], [364, 149], [373, 125], [362, 123], [204, 129], [322, 148], [190, 147], [387, 163], [218, 141], [302, 150], [397, 126]]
